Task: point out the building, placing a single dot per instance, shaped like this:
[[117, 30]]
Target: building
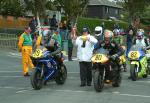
[[103, 9]]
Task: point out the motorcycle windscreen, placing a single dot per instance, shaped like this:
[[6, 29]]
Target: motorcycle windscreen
[[135, 52], [100, 56], [39, 52]]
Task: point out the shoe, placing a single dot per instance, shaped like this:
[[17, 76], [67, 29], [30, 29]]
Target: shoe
[[89, 84], [82, 85], [26, 75], [129, 77], [125, 70], [70, 59]]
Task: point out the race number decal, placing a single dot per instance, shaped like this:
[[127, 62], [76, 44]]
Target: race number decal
[[98, 57]]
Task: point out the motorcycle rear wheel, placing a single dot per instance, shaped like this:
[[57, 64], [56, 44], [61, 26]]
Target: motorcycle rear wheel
[[117, 79]]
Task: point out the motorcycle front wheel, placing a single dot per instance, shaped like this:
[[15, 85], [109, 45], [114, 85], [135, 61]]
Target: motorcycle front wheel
[[61, 75], [133, 72], [36, 79], [98, 81]]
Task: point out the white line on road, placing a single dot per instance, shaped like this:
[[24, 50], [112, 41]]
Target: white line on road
[[21, 71], [22, 91], [132, 95], [11, 76]]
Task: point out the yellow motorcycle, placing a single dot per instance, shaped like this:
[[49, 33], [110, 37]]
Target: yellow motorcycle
[[138, 62], [123, 60], [104, 69]]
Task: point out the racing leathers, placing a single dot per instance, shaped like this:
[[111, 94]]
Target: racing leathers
[[114, 51]]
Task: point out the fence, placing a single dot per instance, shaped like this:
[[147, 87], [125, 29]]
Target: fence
[[8, 40]]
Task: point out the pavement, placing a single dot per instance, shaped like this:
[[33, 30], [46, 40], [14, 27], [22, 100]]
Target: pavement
[[14, 88]]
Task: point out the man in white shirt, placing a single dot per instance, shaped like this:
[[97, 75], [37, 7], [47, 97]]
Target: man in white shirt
[[85, 45]]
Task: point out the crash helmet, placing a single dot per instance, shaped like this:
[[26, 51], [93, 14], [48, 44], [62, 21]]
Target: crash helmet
[[98, 31], [140, 34], [116, 32]]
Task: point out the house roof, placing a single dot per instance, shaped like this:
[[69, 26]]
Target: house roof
[[103, 2]]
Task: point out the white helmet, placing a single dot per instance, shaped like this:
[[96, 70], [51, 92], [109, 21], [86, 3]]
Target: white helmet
[[98, 30]]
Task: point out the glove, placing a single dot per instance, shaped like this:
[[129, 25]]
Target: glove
[[144, 48], [114, 56]]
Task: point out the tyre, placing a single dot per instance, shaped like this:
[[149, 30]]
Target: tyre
[[98, 81], [61, 75], [36, 79], [133, 72], [147, 72], [117, 79]]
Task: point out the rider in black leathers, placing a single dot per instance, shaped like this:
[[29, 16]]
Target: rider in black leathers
[[115, 51]]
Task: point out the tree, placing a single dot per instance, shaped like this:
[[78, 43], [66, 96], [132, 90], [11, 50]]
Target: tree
[[134, 7], [11, 7], [73, 8]]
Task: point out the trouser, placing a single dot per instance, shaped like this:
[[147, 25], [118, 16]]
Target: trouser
[[70, 53], [85, 72], [129, 44], [26, 60]]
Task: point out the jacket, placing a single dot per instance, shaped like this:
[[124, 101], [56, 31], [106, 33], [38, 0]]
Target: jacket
[[85, 53]]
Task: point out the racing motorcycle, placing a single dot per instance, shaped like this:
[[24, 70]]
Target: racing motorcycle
[[46, 69], [105, 69], [138, 62], [148, 59], [123, 60]]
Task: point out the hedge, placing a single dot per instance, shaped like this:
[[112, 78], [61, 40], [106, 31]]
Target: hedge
[[92, 23]]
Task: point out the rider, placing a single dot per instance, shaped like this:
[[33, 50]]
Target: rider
[[114, 50], [99, 33], [117, 37], [46, 40], [119, 40], [140, 39]]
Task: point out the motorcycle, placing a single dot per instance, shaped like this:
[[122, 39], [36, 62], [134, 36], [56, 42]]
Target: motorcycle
[[138, 62], [123, 60], [104, 69], [46, 69], [148, 59]]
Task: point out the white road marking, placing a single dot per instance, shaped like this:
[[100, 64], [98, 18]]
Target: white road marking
[[143, 81], [11, 76], [10, 71], [132, 95], [15, 54], [22, 91], [8, 87]]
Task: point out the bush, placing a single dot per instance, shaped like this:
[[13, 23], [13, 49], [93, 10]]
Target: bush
[[91, 23]]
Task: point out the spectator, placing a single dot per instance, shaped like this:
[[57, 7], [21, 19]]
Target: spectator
[[53, 23], [85, 45], [57, 37], [70, 44], [47, 20], [33, 24], [25, 46], [131, 33]]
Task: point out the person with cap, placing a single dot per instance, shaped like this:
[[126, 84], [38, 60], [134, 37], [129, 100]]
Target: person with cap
[[25, 46], [85, 45]]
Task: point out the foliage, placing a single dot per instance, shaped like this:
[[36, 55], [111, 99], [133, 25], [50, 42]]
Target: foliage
[[133, 8], [92, 23], [11, 7], [73, 8]]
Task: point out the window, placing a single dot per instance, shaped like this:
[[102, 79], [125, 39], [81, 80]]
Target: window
[[117, 11], [106, 10]]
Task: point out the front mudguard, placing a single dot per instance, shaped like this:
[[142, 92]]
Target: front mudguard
[[138, 64]]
